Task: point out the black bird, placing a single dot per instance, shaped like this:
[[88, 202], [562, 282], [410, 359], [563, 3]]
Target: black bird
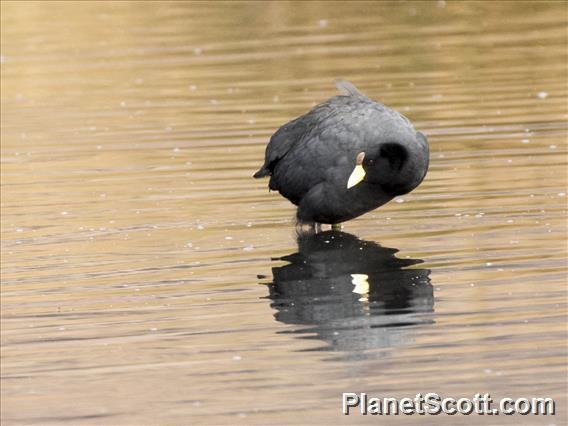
[[345, 157]]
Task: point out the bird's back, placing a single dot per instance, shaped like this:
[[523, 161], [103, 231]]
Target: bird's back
[[301, 152]]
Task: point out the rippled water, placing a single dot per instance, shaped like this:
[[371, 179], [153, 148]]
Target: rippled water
[[147, 278]]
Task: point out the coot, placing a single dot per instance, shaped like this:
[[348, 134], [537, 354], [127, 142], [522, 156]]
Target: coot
[[345, 157]]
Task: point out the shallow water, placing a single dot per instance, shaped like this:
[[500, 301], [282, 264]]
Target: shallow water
[[147, 278]]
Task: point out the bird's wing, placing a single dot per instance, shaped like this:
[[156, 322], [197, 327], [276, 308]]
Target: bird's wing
[[290, 134], [293, 133], [314, 158], [281, 142]]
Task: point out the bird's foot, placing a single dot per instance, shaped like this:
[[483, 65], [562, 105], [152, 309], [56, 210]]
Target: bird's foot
[[310, 228]]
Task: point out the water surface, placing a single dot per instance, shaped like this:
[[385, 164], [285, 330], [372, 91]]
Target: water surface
[[148, 279]]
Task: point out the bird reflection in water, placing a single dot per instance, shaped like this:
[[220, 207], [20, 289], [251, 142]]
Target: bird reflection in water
[[355, 294]]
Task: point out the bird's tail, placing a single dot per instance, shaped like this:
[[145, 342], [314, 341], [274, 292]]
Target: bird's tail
[[262, 172], [347, 88]]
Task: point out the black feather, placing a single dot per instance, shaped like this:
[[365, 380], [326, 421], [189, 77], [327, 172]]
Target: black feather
[[309, 159]]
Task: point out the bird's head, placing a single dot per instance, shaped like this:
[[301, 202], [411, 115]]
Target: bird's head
[[398, 167]]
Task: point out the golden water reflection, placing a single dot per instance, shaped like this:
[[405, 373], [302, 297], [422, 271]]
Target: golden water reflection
[[351, 292]]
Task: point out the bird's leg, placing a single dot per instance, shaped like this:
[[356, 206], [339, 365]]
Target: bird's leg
[[307, 228], [336, 227]]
